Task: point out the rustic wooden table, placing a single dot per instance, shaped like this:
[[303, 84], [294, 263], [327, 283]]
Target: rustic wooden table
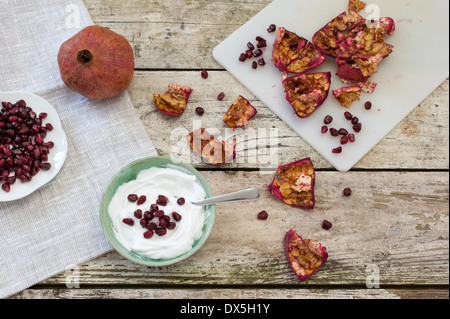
[[396, 221]]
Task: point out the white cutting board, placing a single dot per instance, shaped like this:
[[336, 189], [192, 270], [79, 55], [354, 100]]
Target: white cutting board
[[418, 65]]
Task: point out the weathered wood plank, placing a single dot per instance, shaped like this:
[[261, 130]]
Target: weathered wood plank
[[220, 294], [396, 223], [423, 136], [159, 30]]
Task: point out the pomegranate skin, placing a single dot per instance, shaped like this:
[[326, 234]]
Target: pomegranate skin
[[97, 63]]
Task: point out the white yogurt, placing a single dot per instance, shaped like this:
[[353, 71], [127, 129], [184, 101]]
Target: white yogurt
[[153, 182]]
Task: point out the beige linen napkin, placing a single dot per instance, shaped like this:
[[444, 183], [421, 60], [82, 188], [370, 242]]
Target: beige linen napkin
[[58, 225]]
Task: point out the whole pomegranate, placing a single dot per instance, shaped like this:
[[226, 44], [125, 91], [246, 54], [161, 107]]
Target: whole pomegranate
[[97, 63]]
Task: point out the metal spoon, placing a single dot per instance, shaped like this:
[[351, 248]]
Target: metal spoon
[[240, 196]]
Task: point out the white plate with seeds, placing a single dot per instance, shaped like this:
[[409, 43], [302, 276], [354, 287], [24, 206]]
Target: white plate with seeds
[[418, 65], [57, 155]]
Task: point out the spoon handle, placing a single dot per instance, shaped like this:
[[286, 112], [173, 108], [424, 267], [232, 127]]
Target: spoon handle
[[240, 196]]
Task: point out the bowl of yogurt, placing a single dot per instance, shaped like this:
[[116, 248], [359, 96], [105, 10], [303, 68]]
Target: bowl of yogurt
[[147, 215]]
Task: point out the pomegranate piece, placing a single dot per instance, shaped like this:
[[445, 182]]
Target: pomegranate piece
[[292, 53], [305, 256], [347, 95], [295, 185], [239, 113], [307, 92], [211, 150], [356, 5], [174, 101], [357, 46]]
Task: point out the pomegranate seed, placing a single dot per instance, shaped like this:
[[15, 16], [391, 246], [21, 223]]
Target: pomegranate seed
[[262, 44], [152, 226], [243, 57], [344, 140], [138, 214], [181, 201], [161, 231], [262, 62], [347, 192], [357, 127], [148, 215], [163, 222], [221, 96], [334, 132], [159, 213], [133, 198], [263, 215], [259, 39], [348, 116], [326, 225], [141, 200], [337, 150], [257, 53], [49, 127], [200, 111], [176, 216], [144, 223], [324, 129], [6, 187], [368, 105], [343, 131], [328, 119], [45, 166], [204, 74], [128, 221], [250, 46], [272, 28], [154, 208], [355, 120], [351, 138], [249, 54], [162, 200], [171, 225], [254, 65], [148, 234]]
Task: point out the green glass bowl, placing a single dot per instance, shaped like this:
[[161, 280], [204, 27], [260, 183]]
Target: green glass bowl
[[129, 173]]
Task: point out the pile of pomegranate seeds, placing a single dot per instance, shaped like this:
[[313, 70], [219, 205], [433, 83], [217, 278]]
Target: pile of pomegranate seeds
[[23, 150], [345, 136], [154, 221], [256, 51]]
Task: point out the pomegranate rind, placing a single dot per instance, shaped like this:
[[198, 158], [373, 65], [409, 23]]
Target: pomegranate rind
[[347, 95], [307, 92], [356, 5], [240, 113], [294, 54], [174, 101], [208, 147], [295, 185], [357, 45], [306, 257]]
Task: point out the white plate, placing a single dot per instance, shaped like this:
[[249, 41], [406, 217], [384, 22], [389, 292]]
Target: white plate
[[418, 65], [57, 154]]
